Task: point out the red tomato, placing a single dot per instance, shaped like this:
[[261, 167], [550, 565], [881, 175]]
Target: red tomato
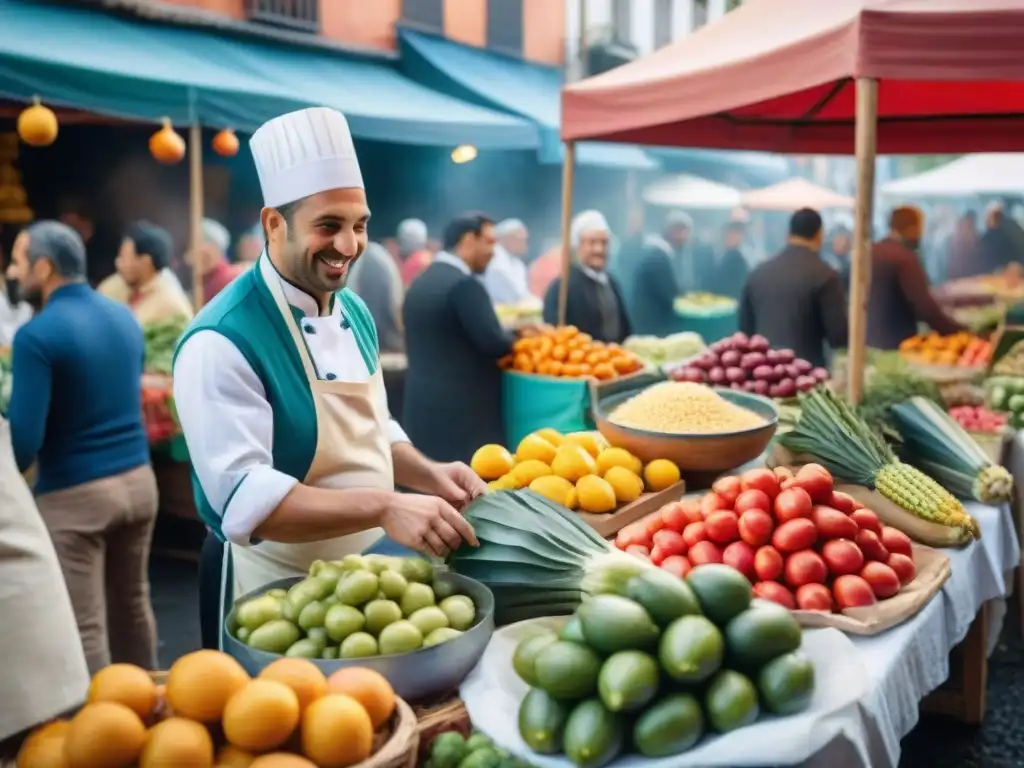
[[722, 527], [768, 563], [896, 541], [814, 479], [772, 590], [669, 542], [677, 565], [740, 555], [755, 527], [791, 504], [704, 552], [728, 488], [795, 535], [852, 592], [752, 499], [883, 579], [867, 520], [640, 551], [842, 556], [712, 502], [634, 533], [652, 524], [872, 546], [814, 597], [674, 516], [904, 567], [844, 502], [693, 533], [657, 556], [805, 567], [833, 524], [763, 480]]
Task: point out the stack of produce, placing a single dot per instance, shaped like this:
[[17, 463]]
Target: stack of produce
[[703, 304], [892, 381], [6, 378], [830, 432], [211, 713], [578, 470], [962, 393], [1012, 362], [750, 364], [978, 418], [960, 349], [159, 340], [568, 353], [527, 312], [158, 414], [1006, 395], [654, 667], [800, 542], [683, 408], [450, 750], [354, 608], [934, 442], [658, 351]]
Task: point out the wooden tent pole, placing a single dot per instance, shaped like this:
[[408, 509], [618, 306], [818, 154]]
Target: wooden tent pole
[[195, 209], [568, 175], [860, 277]]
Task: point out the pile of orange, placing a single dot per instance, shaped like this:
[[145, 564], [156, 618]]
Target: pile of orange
[[565, 352], [212, 714]]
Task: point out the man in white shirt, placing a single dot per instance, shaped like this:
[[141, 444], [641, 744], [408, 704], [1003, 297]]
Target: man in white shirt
[[278, 386], [506, 276]]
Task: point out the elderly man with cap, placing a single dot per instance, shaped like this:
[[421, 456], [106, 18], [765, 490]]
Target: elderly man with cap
[[413, 255], [212, 259], [76, 413], [279, 389], [145, 252], [506, 277], [593, 302]]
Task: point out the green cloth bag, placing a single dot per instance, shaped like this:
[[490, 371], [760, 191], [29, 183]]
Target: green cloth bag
[[530, 402], [711, 326]]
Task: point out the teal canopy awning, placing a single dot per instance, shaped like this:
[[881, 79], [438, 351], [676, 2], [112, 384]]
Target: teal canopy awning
[[115, 66], [518, 87]]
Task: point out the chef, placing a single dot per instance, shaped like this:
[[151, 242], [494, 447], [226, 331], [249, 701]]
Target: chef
[[279, 391]]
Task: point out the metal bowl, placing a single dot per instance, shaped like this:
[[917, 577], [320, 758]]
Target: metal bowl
[[711, 452], [428, 673]]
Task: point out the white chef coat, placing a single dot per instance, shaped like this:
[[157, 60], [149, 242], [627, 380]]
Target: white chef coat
[[228, 422], [506, 278]]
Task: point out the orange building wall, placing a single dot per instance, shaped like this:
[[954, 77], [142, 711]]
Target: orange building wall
[[366, 23], [233, 8], [544, 31], [465, 21]]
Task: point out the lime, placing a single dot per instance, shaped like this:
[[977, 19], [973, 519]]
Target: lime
[[312, 616], [319, 636], [258, 611], [426, 620], [242, 634], [380, 613], [440, 635], [304, 649], [275, 636], [448, 750], [330, 652], [400, 637], [330, 573], [444, 587], [279, 593], [392, 584], [418, 569], [460, 611], [358, 646], [416, 596], [352, 563], [357, 588], [380, 563], [525, 655], [343, 620]]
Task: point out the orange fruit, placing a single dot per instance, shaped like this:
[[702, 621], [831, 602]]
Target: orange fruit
[[261, 716], [125, 684], [230, 756], [200, 684], [104, 735], [301, 675], [370, 688], [177, 743], [281, 760], [336, 732], [44, 748]]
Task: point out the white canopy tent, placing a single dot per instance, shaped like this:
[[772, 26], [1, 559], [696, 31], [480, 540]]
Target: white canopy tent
[[998, 173], [793, 194], [692, 193]]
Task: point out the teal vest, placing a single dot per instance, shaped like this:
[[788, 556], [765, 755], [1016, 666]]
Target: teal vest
[[246, 314]]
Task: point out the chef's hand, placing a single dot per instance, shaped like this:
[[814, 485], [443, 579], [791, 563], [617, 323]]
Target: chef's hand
[[428, 524], [457, 484]]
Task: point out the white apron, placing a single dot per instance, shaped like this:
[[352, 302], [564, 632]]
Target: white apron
[[42, 670], [352, 451]]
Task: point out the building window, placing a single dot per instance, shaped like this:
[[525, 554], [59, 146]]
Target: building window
[[294, 14], [622, 26], [662, 23], [505, 26], [700, 14], [732, 5], [425, 14]]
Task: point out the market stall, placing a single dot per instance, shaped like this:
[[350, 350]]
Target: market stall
[[691, 193], [793, 194], [986, 174]]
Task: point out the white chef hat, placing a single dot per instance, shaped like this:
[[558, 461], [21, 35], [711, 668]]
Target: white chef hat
[[585, 222], [303, 153], [509, 227]]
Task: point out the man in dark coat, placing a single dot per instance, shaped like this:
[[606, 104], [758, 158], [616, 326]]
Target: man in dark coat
[[901, 294], [732, 269], [594, 301], [795, 299], [453, 341]]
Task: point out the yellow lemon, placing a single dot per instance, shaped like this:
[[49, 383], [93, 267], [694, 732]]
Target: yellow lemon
[[595, 494], [573, 462], [553, 436], [507, 482], [627, 484], [660, 474], [591, 442], [618, 457], [526, 472], [552, 487], [491, 461], [572, 500], [535, 447]]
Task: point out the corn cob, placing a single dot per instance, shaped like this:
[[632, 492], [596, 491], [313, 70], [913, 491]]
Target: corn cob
[[913, 490], [993, 485]]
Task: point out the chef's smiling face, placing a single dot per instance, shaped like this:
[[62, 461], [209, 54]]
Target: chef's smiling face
[[315, 242]]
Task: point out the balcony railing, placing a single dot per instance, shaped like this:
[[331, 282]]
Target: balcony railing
[[294, 14]]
